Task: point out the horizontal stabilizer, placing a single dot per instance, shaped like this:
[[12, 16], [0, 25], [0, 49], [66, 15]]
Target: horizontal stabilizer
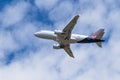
[[99, 44], [98, 35]]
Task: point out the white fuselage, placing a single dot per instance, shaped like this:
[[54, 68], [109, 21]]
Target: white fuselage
[[56, 37]]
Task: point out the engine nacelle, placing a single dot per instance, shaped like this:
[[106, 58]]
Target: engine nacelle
[[59, 32], [58, 46]]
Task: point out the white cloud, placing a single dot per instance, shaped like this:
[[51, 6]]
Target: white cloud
[[13, 13], [29, 69], [62, 11], [24, 33], [114, 18], [45, 4], [7, 44]]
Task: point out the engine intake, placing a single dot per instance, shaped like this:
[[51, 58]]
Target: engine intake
[[58, 46], [59, 32]]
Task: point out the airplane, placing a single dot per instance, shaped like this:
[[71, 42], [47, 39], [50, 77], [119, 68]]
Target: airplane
[[65, 37]]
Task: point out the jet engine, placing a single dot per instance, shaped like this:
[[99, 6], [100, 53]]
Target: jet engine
[[59, 32], [58, 46]]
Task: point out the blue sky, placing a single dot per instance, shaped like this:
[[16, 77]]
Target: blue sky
[[25, 57]]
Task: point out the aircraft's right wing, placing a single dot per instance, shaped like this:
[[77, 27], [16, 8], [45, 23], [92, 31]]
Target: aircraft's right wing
[[69, 27], [68, 50]]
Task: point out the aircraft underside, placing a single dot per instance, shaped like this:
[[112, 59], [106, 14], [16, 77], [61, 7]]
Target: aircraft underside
[[90, 40]]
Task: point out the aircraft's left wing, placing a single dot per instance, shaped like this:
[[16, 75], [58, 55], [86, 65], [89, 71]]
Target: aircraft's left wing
[[69, 27], [68, 50]]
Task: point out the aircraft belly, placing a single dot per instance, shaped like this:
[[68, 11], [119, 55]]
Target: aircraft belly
[[75, 38], [73, 41], [51, 36], [90, 40]]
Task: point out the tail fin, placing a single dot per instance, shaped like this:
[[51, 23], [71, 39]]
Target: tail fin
[[98, 35]]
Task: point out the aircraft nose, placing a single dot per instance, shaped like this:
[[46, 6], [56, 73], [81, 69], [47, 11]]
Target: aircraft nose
[[36, 34]]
